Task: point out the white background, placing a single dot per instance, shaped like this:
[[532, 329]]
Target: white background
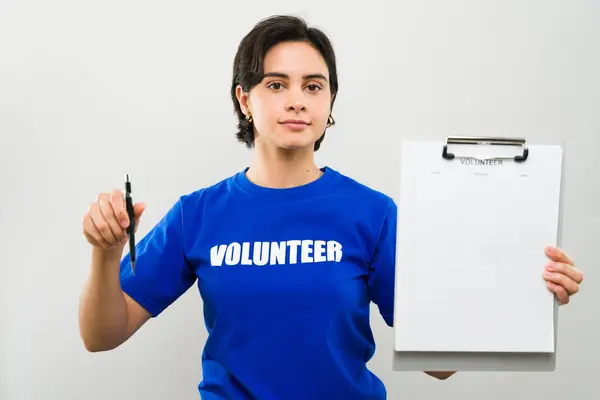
[[90, 91]]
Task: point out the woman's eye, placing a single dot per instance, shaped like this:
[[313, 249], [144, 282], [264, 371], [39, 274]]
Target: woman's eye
[[278, 86]]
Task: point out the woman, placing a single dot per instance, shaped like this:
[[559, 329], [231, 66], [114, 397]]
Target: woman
[[287, 256]]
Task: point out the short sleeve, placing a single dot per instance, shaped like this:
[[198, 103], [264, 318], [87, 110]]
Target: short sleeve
[[162, 273], [382, 267]]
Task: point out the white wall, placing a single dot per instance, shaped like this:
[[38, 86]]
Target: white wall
[[91, 90]]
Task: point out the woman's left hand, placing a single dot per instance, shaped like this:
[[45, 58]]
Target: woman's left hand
[[562, 278]]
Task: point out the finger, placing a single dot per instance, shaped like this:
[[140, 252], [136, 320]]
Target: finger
[[101, 224], [117, 200], [560, 292], [570, 286], [558, 255], [111, 219], [92, 233], [138, 210], [566, 269]]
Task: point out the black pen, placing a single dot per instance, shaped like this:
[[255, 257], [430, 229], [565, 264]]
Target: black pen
[[131, 227]]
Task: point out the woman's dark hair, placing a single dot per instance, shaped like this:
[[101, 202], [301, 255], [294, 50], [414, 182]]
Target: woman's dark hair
[[248, 63]]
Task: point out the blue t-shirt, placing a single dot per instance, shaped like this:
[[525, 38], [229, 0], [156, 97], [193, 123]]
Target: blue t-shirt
[[286, 277]]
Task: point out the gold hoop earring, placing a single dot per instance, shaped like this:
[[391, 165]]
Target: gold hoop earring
[[249, 118], [330, 121]]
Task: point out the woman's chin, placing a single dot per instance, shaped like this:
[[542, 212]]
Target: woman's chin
[[296, 144], [295, 141]]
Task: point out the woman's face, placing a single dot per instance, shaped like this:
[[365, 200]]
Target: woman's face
[[291, 105]]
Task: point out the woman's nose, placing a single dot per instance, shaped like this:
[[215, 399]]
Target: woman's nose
[[296, 106]]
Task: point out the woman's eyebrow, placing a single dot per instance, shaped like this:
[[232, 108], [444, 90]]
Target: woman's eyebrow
[[286, 76]]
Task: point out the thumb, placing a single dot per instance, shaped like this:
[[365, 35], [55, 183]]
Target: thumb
[[138, 210]]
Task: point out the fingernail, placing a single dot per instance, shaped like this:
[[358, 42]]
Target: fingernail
[[546, 273]]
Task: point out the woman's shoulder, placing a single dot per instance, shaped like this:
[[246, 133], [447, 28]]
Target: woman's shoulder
[[362, 191], [208, 192]]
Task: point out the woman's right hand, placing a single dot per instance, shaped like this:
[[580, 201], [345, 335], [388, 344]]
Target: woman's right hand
[[106, 221]]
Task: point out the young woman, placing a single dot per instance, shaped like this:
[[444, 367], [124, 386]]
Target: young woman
[[287, 256]]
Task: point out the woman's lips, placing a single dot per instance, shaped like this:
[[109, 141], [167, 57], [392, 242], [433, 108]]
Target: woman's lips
[[295, 124]]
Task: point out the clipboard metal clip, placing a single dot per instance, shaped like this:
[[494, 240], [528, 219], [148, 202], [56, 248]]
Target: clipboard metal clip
[[483, 140]]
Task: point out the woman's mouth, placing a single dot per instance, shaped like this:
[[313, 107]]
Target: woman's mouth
[[295, 124]]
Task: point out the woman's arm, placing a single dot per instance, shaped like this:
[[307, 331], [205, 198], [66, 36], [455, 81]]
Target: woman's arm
[[107, 316]]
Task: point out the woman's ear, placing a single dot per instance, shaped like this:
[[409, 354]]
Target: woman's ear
[[242, 99]]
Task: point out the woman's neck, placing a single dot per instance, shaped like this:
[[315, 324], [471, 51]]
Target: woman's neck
[[283, 168]]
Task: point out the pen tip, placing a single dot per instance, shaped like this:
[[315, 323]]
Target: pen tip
[[126, 177]]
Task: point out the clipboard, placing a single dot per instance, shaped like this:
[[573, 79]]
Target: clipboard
[[469, 292]]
